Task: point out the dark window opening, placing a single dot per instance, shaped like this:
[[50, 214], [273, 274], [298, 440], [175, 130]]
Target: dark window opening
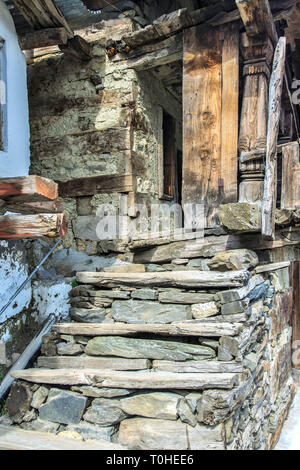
[[169, 156]]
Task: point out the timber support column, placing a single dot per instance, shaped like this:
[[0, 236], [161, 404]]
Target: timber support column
[[257, 54]]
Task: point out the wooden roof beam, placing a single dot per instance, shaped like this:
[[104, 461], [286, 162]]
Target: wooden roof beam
[[42, 14]]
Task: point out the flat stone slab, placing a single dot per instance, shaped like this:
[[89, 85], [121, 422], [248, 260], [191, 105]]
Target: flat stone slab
[[63, 407], [188, 298], [147, 349], [135, 311]]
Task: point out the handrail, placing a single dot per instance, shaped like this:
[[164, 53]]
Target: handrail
[[29, 278]]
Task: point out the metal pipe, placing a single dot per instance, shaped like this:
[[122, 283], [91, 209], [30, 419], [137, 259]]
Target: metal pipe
[[25, 357], [29, 278]]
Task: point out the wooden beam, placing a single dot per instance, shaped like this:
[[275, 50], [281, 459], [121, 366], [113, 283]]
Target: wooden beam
[[31, 208], [43, 38], [104, 184], [191, 328], [275, 94], [18, 227], [257, 18], [28, 188], [290, 190], [295, 280], [42, 14], [128, 380], [195, 279]]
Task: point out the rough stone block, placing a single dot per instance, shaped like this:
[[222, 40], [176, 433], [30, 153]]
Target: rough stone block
[[19, 401], [241, 217], [94, 432], [134, 311], [233, 260], [63, 407], [105, 412], [145, 294], [206, 310], [152, 405]]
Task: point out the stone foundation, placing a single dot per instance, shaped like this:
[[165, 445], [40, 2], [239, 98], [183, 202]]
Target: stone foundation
[[222, 381]]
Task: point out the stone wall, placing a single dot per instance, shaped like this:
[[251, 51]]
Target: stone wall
[[96, 118], [224, 385]]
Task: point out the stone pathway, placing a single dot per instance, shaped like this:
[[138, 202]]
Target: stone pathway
[[290, 435]]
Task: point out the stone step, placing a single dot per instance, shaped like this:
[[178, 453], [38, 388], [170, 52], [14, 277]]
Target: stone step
[[188, 328], [182, 279], [12, 438], [129, 380], [84, 362]]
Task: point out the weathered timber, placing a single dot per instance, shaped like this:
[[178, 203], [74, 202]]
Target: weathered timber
[[157, 54], [209, 246], [28, 188], [85, 362], [272, 267], [78, 48], [18, 227], [198, 366], [128, 380], [290, 191], [42, 14], [275, 93], [295, 276], [257, 18], [104, 184], [230, 115], [43, 38], [38, 207], [12, 438], [195, 279], [192, 328], [211, 62]]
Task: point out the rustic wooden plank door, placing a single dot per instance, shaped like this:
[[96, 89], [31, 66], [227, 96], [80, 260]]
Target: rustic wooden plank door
[[210, 117]]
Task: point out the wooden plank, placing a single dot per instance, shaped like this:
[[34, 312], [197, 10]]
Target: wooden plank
[[43, 38], [230, 114], [28, 188], [290, 190], [18, 227], [195, 279], [39, 207], [128, 380], [111, 363], [275, 93], [295, 276], [272, 267], [104, 184], [42, 14], [192, 328], [210, 129], [202, 82], [12, 438], [198, 366]]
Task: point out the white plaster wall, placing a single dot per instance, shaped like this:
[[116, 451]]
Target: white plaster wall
[[13, 272], [15, 159], [51, 297]]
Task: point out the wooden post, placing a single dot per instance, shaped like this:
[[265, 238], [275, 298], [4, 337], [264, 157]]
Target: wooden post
[[210, 110], [257, 55], [290, 190], [270, 185], [295, 273]]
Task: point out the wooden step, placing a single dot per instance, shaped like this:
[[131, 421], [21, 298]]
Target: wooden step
[[17, 439], [184, 279], [129, 380], [188, 328], [28, 188], [83, 362]]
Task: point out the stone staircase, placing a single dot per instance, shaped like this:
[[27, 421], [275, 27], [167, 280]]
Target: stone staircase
[[165, 360]]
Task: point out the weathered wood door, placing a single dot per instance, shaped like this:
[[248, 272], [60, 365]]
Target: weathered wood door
[[210, 117]]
